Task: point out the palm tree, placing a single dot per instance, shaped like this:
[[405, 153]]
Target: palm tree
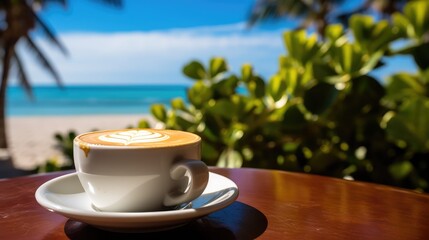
[[17, 19], [318, 13]]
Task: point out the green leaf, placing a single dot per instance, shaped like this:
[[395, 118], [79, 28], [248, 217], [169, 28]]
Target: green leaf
[[294, 119], [400, 24], [230, 159], [239, 101], [59, 137], [272, 128], [212, 127], [294, 116], [143, 124], [252, 106], [361, 26], [199, 94], [400, 170], [366, 92], [403, 85], [285, 62], [417, 12], [370, 36], [419, 51], [256, 87], [159, 112], [178, 104], [235, 133], [300, 47], [208, 151], [183, 123], [348, 59], [371, 63], [217, 66], [224, 108], [226, 87], [71, 135], [424, 76], [382, 35], [334, 31], [323, 162], [208, 134], [246, 72], [292, 79], [410, 124], [294, 41], [195, 70], [276, 87], [421, 55], [322, 71], [51, 165], [320, 97]]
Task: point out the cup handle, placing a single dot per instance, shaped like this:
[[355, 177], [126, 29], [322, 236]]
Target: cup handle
[[199, 176]]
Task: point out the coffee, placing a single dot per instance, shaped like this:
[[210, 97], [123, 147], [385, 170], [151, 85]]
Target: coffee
[[138, 138], [130, 170]]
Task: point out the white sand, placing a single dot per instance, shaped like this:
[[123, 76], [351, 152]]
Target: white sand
[[31, 139]]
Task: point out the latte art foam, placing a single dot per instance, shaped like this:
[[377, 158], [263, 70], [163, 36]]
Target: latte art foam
[[134, 137], [141, 138]]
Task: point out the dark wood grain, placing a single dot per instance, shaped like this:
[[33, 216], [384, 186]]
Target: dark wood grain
[[271, 205]]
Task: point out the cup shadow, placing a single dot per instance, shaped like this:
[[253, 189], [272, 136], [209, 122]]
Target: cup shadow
[[237, 221]]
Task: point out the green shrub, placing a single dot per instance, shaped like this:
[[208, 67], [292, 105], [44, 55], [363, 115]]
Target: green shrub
[[64, 142], [323, 112]]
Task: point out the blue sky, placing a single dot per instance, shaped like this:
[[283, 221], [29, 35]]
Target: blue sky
[[141, 15], [148, 42]]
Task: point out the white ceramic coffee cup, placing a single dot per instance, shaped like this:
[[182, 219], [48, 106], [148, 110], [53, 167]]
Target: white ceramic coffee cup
[[135, 170]]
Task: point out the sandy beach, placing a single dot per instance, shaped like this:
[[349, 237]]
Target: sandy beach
[[31, 138]]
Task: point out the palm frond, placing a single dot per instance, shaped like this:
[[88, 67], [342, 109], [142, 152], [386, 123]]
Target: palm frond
[[44, 2], [22, 76], [115, 3], [49, 33], [7, 49], [43, 60], [266, 9], [299, 9]]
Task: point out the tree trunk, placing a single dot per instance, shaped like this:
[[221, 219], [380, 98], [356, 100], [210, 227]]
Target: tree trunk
[[9, 50]]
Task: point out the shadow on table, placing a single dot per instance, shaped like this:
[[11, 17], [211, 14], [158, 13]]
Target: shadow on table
[[237, 221]]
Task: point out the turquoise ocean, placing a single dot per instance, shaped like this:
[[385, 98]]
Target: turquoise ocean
[[94, 100]]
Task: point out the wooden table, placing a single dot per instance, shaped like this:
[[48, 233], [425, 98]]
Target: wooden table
[[271, 205]]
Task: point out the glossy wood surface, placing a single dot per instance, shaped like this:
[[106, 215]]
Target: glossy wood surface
[[271, 205]]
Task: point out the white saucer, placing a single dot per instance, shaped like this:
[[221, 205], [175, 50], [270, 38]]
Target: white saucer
[[64, 195]]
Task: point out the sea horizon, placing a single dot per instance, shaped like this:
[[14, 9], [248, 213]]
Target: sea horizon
[[90, 99]]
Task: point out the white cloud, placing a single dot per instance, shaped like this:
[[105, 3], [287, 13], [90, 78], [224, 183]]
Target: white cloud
[[155, 57]]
